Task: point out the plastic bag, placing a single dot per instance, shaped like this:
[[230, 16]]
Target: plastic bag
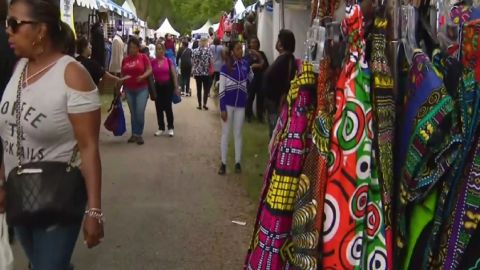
[[6, 255]]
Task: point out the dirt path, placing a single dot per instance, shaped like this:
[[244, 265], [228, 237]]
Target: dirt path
[[166, 207]]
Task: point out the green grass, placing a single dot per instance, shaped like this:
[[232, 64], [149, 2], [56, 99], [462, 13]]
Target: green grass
[[255, 157]]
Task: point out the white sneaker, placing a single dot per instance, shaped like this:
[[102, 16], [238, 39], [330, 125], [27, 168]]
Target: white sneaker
[[170, 132], [159, 133]]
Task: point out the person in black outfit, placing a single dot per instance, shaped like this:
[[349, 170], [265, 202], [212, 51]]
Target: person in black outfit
[[254, 87], [96, 71], [98, 44], [276, 80], [7, 57], [184, 60]]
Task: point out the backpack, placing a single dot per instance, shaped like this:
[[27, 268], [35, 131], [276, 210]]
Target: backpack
[[186, 59]]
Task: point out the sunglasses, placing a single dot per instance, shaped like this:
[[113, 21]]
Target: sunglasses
[[15, 24]]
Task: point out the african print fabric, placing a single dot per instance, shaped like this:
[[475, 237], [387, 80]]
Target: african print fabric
[[272, 244], [426, 149], [461, 213], [309, 200], [384, 124], [353, 233]]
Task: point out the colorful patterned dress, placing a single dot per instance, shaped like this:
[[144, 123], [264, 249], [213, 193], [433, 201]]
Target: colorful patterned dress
[[271, 246], [384, 124], [353, 233], [427, 149], [309, 200], [462, 205]]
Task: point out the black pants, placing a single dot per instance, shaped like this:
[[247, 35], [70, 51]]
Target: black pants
[[163, 103], [206, 82], [185, 80], [255, 91]]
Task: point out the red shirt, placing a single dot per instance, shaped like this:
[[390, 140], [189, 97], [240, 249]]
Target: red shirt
[[135, 67]]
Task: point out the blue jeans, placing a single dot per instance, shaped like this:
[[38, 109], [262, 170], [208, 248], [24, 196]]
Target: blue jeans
[[137, 102], [48, 248]]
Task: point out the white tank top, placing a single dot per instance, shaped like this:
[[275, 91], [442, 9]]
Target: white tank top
[[48, 132]]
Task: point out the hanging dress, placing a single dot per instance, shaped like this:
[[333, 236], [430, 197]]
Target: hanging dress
[[353, 233], [383, 103], [271, 245], [462, 210], [309, 200], [426, 151]]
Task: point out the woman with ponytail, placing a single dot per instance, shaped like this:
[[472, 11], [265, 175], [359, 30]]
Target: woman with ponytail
[[234, 76], [60, 112]]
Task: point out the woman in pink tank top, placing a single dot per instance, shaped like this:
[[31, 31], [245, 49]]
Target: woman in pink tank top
[[165, 84]]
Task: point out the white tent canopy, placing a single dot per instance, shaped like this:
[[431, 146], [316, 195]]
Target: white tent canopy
[[129, 6], [166, 28], [239, 7], [215, 27], [90, 4], [203, 29]]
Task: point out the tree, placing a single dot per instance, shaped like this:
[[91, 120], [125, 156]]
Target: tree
[[184, 15]]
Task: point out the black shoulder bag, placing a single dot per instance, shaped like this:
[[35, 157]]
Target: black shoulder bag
[[43, 193]]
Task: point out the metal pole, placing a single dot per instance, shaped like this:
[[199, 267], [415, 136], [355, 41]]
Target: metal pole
[[394, 40], [282, 14]]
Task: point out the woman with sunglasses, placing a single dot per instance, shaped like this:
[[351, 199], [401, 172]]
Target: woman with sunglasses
[[60, 110]]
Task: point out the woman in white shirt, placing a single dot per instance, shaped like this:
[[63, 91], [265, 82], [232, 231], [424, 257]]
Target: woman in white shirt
[[60, 109]]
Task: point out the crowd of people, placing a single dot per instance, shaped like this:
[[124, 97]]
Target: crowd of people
[[61, 114]]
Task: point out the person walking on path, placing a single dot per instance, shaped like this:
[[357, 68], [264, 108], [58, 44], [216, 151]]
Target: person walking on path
[[61, 110], [117, 54], [166, 85], [258, 66], [234, 76], [217, 51], [202, 61], [276, 80], [137, 66], [184, 61], [96, 71]]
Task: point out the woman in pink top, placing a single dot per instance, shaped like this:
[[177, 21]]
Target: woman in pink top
[[137, 67], [165, 84]]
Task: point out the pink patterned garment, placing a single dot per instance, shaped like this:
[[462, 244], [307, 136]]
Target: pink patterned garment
[[271, 246]]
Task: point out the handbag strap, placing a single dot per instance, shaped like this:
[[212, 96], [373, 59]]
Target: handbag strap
[[18, 122], [170, 74]]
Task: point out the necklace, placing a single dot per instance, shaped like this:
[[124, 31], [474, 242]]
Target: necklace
[[25, 81]]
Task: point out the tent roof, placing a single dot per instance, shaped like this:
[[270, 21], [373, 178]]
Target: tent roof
[[239, 7], [215, 27], [90, 4], [203, 29], [166, 28], [129, 6]]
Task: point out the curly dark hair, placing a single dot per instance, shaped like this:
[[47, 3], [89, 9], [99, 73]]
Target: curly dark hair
[[287, 39]]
